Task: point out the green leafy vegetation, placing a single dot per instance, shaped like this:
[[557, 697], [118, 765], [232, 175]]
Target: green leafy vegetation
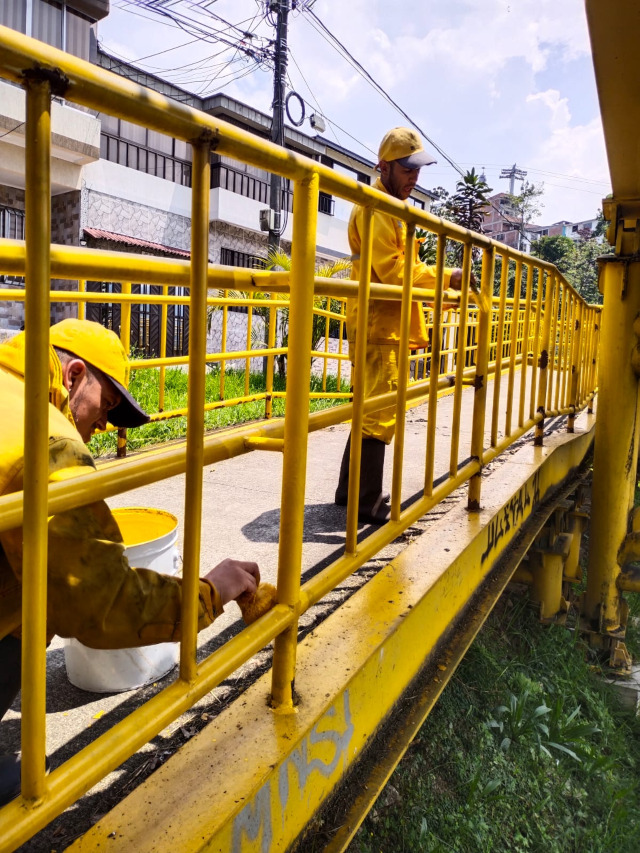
[[145, 387], [527, 750]]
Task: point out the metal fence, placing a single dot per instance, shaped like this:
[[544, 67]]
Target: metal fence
[[537, 339]]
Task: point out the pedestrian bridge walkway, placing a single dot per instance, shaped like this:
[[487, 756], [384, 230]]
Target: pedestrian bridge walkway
[[507, 360]]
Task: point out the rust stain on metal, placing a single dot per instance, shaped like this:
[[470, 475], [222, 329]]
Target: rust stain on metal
[[56, 78], [478, 381], [544, 359]]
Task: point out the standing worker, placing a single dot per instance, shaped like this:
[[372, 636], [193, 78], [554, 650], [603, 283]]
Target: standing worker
[[401, 156], [92, 592]]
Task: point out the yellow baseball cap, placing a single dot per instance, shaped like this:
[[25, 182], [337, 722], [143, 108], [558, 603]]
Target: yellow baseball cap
[[405, 146], [102, 349]]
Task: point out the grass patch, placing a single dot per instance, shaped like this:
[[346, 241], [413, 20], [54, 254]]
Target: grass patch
[[527, 750], [145, 387]]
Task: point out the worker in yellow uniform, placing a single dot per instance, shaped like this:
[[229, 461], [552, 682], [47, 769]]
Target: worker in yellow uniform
[[92, 592], [400, 158]]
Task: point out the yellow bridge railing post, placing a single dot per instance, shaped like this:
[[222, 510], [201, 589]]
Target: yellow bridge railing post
[[403, 362], [125, 337], [358, 380], [36, 433], [480, 389], [436, 346], [545, 357], [296, 426], [201, 181]]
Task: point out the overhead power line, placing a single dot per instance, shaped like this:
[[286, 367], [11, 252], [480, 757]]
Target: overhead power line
[[368, 77]]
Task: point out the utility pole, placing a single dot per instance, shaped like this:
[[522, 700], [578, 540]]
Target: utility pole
[[512, 174], [281, 10]]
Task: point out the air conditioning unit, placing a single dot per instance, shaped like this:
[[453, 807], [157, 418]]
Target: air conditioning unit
[[268, 220]]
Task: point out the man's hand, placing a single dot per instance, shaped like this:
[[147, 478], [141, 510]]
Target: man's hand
[[455, 283], [233, 577]]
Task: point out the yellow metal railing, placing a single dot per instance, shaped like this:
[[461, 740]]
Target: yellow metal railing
[[536, 338]]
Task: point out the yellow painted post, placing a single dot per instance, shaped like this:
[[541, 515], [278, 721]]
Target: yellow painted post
[[223, 343], [403, 356], [343, 308], [82, 305], [436, 346], [575, 367], [460, 361], [268, 403], [594, 356], [247, 364], [125, 337], [497, 378], [616, 439], [358, 381], [554, 366], [560, 379], [36, 434], [303, 257], [545, 358], [526, 337], [514, 345], [480, 385], [572, 308], [327, 321], [164, 315], [536, 342], [201, 181]]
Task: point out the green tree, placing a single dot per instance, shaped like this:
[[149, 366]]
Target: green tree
[[557, 250], [278, 259], [583, 274], [526, 206], [468, 204]]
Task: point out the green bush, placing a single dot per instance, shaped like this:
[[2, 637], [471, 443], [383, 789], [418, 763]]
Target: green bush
[[566, 780], [145, 387]]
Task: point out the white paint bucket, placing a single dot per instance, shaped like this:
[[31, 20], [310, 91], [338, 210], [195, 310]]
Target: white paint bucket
[[150, 538]]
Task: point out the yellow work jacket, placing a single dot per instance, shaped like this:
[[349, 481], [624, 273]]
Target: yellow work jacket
[[387, 267], [92, 594]]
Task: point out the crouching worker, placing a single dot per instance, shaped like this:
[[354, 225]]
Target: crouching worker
[[93, 594]]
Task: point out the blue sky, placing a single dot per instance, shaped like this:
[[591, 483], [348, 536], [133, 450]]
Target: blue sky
[[492, 82]]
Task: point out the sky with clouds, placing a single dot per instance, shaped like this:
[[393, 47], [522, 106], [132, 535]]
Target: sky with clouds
[[491, 82]]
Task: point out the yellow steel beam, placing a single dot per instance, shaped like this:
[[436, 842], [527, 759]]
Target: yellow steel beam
[[267, 774], [201, 181], [294, 463], [36, 437], [613, 27]]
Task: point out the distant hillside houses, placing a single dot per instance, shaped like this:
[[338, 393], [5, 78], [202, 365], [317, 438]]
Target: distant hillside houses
[[501, 223]]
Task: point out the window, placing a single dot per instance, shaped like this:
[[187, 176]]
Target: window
[[574, 228], [11, 223], [145, 150], [14, 15], [51, 21], [233, 258]]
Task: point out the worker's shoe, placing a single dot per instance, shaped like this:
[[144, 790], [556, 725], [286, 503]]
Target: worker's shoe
[[10, 766], [342, 492], [372, 508]]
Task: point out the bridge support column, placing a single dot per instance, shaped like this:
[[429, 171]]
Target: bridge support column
[[617, 431]]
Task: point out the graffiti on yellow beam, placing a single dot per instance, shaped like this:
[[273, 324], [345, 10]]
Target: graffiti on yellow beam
[[512, 513], [323, 751]]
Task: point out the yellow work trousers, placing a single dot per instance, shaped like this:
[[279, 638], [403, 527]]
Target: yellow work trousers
[[380, 377]]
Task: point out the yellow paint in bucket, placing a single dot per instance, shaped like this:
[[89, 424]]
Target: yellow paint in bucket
[[141, 525], [149, 537]]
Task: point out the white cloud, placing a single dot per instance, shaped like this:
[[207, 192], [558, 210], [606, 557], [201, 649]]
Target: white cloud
[[484, 78]]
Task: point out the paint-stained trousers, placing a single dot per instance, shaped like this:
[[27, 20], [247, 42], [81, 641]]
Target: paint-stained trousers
[[380, 377], [10, 672]]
